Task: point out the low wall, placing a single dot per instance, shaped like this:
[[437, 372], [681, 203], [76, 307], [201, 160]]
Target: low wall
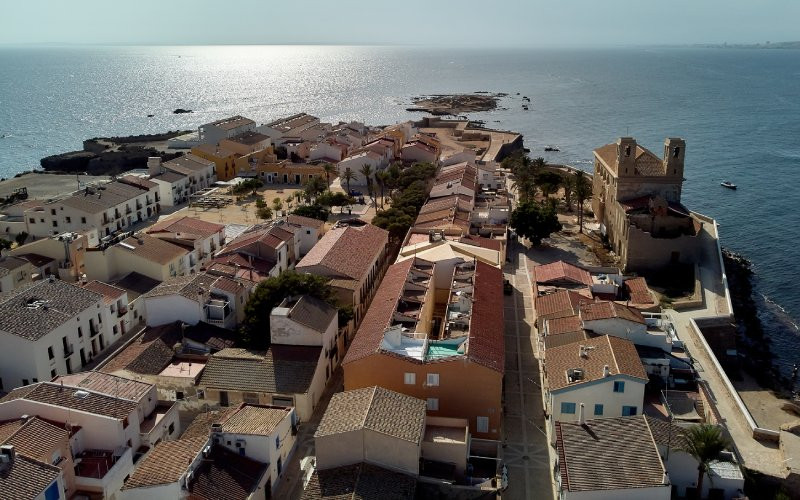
[[696, 300]]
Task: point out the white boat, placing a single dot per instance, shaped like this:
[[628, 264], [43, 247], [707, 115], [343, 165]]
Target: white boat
[[728, 184]]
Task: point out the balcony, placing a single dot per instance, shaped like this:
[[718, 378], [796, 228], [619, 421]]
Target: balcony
[[69, 349], [102, 470], [93, 329], [139, 204], [122, 311], [218, 312], [128, 210], [117, 215], [155, 426]]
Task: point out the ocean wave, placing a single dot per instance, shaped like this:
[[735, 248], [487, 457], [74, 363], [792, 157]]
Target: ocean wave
[[780, 313]]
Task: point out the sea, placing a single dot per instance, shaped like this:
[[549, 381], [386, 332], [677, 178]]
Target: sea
[[738, 109]]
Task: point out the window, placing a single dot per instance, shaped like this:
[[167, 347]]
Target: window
[[433, 380], [410, 378], [178, 395], [55, 223], [483, 424], [308, 231], [277, 442], [598, 410], [52, 374], [52, 211], [80, 332], [628, 411], [83, 220], [201, 394], [125, 423], [50, 354], [171, 428], [24, 381], [35, 380], [568, 408], [619, 386], [433, 404], [69, 220], [31, 220]]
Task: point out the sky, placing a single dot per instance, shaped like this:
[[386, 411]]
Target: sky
[[506, 23]]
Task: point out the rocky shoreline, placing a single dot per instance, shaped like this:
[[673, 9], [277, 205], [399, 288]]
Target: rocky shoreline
[[112, 155], [455, 104], [752, 340]]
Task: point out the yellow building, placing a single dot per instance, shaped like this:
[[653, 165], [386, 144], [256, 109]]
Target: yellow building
[[271, 171], [223, 159]]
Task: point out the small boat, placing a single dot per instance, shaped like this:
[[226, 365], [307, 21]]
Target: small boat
[[552, 148], [728, 184], [525, 107]]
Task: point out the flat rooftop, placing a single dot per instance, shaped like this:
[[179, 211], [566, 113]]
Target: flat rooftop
[[183, 369]]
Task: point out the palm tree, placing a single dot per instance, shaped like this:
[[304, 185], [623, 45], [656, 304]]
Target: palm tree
[[328, 169], [298, 195], [523, 183], [380, 180], [366, 171], [583, 190], [704, 442], [568, 183], [348, 176]]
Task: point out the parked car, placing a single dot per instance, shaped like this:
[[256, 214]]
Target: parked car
[[353, 192]]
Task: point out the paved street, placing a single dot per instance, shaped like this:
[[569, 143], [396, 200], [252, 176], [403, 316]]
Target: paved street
[[525, 442]]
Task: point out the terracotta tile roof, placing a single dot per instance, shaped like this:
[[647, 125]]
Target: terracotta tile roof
[[148, 354], [486, 343], [228, 284], [282, 369], [645, 162], [187, 225], [666, 433], [618, 354], [565, 338], [188, 286], [214, 150], [638, 291], [18, 393], [300, 220], [248, 138], [8, 263], [370, 334], [565, 302], [9, 427], [563, 325], [169, 177], [225, 476], [605, 309], [313, 313], [625, 442], [152, 249], [443, 219], [38, 439], [138, 181], [102, 198], [35, 309], [480, 241], [27, 478], [165, 463], [231, 122], [246, 240], [136, 284], [255, 419], [214, 337], [110, 293], [376, 409], [36, 260], [359, 482], [460, 201], [561, 271], [346, 252], [93, 402], [106, 383], [201, 424], [188, 164]]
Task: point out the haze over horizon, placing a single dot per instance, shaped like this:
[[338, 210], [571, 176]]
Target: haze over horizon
[[505, 23]]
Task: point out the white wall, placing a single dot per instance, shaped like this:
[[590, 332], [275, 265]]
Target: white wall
[[170, 308], [337, 450], [624, 329], [391, 452], [161, 492], [286, 331], [601, 392], [659, 493]]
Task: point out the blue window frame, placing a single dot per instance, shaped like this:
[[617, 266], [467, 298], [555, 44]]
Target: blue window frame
[[628, 411], [567, 407], [598, 410], [619, 386]]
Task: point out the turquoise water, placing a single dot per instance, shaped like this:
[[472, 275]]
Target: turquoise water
[[739, 111]]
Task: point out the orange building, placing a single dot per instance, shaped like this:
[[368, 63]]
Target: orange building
[[434, 331], [223, 159]]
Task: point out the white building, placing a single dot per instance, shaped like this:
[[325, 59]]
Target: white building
[[217, 300], [602, 376], [310, 231], [108, 419], [143, 254], [206, 237], [289, 126], [214, 132], [356, 162], [307, 321], [49, 328], [110, 207], [117, 316], [610, 318], [173, 188], [202, 173], [14, 273], [330, 152]]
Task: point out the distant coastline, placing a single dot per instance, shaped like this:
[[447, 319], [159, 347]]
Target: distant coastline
[[765, 45]]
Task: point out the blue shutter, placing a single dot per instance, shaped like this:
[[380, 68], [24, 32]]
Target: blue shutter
[[567, 407], [598, 410]]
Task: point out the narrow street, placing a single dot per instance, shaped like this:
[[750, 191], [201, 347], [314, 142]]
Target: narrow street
[[525, 441]]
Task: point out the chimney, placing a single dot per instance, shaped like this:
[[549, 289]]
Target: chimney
[[606, 373], [154, 165], [581, 415], [7, 450]]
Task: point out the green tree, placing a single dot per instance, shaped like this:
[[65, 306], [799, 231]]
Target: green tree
[[523, 184], [330, 199], [314, 187], [5, 244], [21, 237], [583, 190], [366, 171], [568, 183], [254, 332], [704, 442], [548, 182], [535, 221], [277, 204], [380, 181], [348, 176], [315, 211], [329, 170], [263, 212]]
